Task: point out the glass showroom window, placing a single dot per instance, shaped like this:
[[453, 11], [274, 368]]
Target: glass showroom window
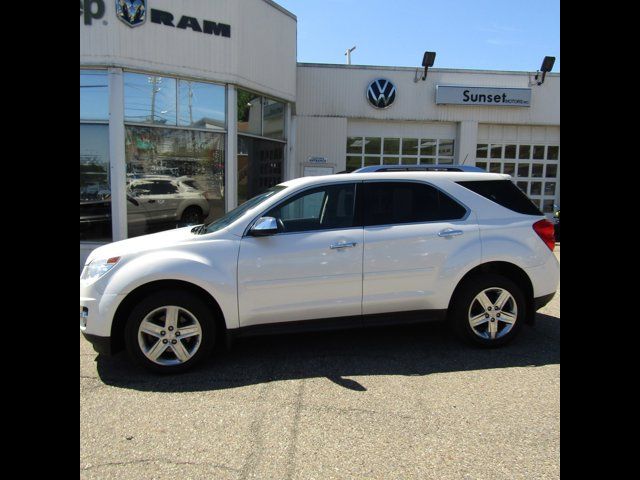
[[261, 144], [201, 105], [534, 168], [260, 166], [166, 101], [95, 193], [174, 151], [366, 151]]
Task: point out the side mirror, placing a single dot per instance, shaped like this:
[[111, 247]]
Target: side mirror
[[264, 227]]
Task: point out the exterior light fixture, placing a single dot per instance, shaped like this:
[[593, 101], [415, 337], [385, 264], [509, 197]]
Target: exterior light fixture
[[547, 65], [427, 61]]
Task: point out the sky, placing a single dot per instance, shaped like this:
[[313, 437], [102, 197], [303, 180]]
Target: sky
[[473, 34]]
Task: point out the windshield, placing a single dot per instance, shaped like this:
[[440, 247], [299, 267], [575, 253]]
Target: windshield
[[237, 212]]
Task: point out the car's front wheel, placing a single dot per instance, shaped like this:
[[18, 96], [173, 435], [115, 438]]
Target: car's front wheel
[[170, 331], [192, 216], [488, 310]]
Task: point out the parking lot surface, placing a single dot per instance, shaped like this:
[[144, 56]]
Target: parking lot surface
[[404, 402]]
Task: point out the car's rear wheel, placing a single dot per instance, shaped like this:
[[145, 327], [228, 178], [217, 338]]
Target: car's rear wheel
[[488, 310], [170, 331]]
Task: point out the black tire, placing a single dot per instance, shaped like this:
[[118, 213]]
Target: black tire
[[192, 215], [463, 301], [185, 300]]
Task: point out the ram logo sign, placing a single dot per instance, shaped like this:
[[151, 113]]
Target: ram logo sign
[[132, 12]]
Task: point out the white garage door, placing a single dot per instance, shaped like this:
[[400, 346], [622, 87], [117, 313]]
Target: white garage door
[[531, 154]]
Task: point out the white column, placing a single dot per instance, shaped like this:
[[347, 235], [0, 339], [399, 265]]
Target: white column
[[465, 150], [290, 161], [231, 156], [117, 164]]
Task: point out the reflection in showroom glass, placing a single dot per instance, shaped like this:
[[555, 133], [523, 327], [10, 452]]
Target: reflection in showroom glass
[[94, 95], [149, 99], [95, 190], [169, 101], [273, 119], [260, 115], [174, 178], [201, 105]]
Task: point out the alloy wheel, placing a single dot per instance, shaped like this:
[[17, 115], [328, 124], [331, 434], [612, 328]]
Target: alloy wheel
[[169, 335], [493, 313]]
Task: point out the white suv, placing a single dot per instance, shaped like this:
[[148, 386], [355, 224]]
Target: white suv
[[335, 251]]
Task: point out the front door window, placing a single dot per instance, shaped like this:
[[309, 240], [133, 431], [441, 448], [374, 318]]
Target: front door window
[[320, 208]]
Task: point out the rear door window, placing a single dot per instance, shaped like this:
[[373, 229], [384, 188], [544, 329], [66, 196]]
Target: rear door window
[[392, 203]]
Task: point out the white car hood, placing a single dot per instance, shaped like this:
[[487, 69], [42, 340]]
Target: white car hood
[[143, 243]]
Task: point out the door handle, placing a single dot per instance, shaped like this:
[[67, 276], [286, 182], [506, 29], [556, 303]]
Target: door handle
[[334, 246], [449, 232]]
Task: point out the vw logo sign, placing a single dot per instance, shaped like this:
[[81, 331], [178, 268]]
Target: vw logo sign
[[132, 12], [381, 93]]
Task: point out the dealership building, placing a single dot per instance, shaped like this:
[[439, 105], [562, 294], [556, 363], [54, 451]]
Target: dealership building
[[190, 107]]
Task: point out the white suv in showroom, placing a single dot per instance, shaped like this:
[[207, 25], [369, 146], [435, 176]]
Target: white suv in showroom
[[341, 251]]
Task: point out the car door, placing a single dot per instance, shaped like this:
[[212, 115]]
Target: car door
[[310, 269], [416, 238], [163, 201], [136, 211]]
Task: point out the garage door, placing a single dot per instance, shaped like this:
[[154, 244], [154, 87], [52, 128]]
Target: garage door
[[530, 154]]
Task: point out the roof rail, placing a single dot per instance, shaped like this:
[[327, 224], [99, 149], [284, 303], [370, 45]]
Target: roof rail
[[419, 168]]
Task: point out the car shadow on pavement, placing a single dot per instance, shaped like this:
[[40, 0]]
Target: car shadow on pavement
[[402, 350]]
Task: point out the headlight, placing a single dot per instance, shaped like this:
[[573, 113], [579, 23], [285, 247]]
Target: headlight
[[97, 268]]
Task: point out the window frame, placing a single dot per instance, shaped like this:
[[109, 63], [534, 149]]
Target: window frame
[[429, 184]]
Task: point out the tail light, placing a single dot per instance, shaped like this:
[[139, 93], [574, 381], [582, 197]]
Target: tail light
[[546, 231]]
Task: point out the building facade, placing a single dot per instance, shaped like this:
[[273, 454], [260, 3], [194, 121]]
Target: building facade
[[190, 107], [335, 120]]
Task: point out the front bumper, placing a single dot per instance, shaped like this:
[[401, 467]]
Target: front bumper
[[540, 302], [97, 310], [101, 345], [89, 308]]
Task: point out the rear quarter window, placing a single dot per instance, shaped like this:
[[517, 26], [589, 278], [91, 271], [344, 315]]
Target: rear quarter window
[[504, 193]]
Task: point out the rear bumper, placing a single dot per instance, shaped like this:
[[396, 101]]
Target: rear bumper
[[545, 278], [101, 345]]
